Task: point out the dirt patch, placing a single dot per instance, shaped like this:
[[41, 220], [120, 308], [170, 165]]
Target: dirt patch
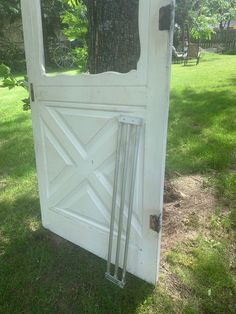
[[188, 205]]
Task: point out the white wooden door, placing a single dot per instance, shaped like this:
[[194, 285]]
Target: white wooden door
[[75, 122]]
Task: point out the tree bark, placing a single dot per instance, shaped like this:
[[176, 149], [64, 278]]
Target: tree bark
[[113, 35]]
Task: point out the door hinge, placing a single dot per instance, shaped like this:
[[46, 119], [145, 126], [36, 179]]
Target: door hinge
[[165, 17], [32, 92], [155, 223]]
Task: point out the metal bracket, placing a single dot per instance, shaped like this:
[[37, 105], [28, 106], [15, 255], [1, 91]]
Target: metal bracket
[[130, 120], [32, 92], [165, 17], [155, 223], [114, 280]]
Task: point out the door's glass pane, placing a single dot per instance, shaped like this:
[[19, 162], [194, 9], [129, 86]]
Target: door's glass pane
[[90, 36]]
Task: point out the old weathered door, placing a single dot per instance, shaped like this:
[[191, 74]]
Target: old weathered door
[[75, 125]]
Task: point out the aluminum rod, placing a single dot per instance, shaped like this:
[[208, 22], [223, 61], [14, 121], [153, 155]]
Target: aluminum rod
[[122, 202], [131, 199], [114, 198]]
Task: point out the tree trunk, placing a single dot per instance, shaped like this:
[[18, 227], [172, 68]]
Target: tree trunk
[[221, 27], [113, 35]]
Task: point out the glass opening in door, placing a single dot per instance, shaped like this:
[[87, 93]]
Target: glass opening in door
[[90, 36]]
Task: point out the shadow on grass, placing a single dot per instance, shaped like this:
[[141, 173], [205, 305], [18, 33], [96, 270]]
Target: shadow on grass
[[42, 273], [201, 128], [16, 149]]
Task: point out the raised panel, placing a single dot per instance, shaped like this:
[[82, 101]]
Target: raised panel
[[80, 147]]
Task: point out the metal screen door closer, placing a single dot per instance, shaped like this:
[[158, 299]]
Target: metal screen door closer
[[99, 100]]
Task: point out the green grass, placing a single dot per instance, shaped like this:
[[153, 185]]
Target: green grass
[[40, 275], [202, 129], [203, 269], [202, 124]]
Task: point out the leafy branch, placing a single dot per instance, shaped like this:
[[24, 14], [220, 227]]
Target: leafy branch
[[8, 80]]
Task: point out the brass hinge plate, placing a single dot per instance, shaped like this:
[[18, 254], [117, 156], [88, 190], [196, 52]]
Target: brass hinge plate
[[165, 17], [32, 92], [155, 223]]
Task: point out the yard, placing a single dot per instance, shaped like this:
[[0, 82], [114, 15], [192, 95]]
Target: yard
[[41, 273]]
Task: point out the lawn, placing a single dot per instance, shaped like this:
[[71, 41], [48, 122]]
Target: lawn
[[202, 124], [42, 274]]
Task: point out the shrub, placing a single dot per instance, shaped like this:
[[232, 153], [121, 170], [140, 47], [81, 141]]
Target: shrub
[[8, 80], [12, 56]]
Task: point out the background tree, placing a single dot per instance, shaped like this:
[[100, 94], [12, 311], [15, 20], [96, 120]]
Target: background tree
[[224, 10], [107, 32], [113, 35], [75, 19], [10, 53], [9, 8], [75, 28], [198, 18], [51, 12]]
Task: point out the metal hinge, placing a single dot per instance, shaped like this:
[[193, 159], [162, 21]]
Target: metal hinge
[[32, 92], [165, 17], [155, 223]]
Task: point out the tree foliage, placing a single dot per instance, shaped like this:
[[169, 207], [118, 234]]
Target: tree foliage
[[75, 20], [7, 79], [9, 7], [200, 17], [75, 27], [224, 11]]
